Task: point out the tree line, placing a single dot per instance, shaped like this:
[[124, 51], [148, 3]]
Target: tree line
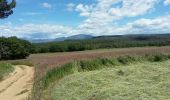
[[104, 42], [14, 48]]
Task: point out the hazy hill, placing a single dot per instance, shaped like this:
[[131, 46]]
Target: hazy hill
[[74, 37]]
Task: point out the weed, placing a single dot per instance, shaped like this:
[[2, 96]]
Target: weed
[[157, 57], [5, 69], [120, 72]]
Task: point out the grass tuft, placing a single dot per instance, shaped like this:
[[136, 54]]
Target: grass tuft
[[5, 69]]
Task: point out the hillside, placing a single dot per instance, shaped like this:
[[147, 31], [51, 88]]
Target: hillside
[[119, 41]]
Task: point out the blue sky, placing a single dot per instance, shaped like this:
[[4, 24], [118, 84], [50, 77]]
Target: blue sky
[[42, 19]]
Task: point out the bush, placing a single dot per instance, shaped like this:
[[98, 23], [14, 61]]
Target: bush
[[126, 59], [157, 57], [91, 65], [14, 48]]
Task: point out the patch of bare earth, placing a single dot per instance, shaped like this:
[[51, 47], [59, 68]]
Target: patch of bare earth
[[18, 85]]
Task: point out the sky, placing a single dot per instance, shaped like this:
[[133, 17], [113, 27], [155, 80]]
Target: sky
[[49, 19]]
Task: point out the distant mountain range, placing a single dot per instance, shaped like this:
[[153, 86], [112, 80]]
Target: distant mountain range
[[74, 37], [110, 37]]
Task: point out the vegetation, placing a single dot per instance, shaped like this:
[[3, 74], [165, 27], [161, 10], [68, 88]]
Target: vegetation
[[105, 42], [148, 81], [5, 69], [6, 9], [99, 63], [14, 48], [58, 73]]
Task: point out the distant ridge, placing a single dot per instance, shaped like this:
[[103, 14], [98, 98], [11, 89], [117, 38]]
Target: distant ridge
[[74, 37], [84, 36]]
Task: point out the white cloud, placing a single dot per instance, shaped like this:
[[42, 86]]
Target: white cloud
[[35, 30], [84, 10], [70, 6], [167, 2], [157, 25], [101, 19], [45, 31], [132, 8], [46, 5], [106, 12]]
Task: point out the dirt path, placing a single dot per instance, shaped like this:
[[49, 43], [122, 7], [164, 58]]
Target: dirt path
[[18, 85]]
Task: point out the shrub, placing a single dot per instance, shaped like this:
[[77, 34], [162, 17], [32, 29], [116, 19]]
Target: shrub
[[126, 59], [157, 57], [91, 65]]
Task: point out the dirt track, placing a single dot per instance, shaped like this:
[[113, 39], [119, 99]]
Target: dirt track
[[18, 85]]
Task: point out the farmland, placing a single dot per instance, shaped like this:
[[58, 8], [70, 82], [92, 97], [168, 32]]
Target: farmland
[[84, 50], [54, 61], [53, 69]]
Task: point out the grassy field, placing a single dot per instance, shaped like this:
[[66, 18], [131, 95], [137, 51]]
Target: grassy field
[[52, 67], [45, 85], [47, 61], [141, 81], [5, 69]]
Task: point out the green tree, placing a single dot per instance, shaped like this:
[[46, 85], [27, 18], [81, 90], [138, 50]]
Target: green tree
[[6, 8], [14, 48]]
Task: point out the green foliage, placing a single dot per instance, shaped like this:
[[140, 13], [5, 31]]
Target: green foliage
[[5, 69], [14, 48], [158, 57], [127, 59], [91, 65], [6, 8]]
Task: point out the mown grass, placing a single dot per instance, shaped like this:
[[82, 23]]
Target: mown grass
[[140, 81], [58, 73], [5, 69]]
